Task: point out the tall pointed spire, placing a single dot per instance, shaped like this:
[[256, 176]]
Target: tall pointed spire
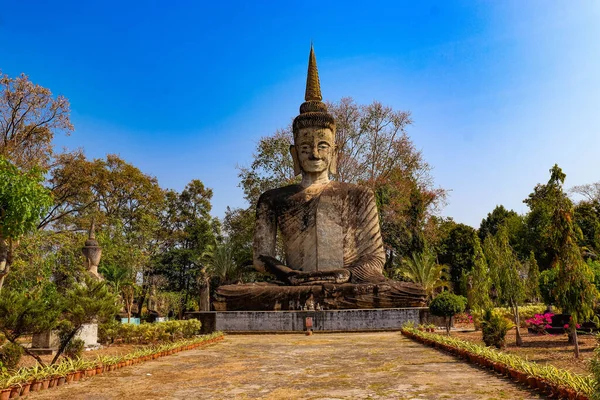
[[92, 230], [313, 86]]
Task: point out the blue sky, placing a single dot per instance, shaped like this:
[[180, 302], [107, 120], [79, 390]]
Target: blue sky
[[499, 91]]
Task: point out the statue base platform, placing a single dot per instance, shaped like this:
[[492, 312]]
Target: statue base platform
[[265, 296], [373, 320]]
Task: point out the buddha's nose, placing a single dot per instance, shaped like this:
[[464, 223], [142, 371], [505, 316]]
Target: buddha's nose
[[314, 154]]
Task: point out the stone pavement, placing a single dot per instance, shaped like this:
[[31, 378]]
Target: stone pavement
[[323, 366]]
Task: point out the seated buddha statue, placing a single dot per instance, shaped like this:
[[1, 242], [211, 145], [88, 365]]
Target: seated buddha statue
[[330, 230]]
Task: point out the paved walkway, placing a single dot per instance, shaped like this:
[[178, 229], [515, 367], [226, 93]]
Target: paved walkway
[[322, 366]]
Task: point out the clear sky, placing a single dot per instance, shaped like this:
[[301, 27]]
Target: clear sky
[[499, 90]]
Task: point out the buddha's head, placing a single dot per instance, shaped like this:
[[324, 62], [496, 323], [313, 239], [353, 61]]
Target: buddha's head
[[314, 129]]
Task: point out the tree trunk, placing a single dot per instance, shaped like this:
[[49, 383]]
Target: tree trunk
[[63, 345], [4, 260], [574, 336], [204, 303], [519, 341], [140, 301]]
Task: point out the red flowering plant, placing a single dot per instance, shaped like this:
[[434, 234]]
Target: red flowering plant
[[463, 318], [577, 326], [540, 322]]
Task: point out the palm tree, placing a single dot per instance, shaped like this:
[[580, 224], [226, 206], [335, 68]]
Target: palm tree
[[423, 268], [217, 261], [120, 279]]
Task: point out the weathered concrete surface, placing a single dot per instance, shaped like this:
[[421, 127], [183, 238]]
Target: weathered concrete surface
[[323, 366], [326, 321]]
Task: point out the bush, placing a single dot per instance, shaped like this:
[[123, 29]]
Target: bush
[[74, 348], [108, 331], [10, 355], [525, 312], [148, 333], [447, 305], [494, 328]]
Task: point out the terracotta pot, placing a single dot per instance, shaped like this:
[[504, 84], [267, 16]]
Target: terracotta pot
[[36, 386], [5, 394], [99, 370], [90, 372], [25, 389], [499, 368], [76, 376], [45, 384], [61, 380], [15, 391], [52, 382], [532, 382]]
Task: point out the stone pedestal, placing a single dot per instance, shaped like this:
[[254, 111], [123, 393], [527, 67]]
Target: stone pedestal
[[48, 342], [45, 343], [89, 335], [385, 319]]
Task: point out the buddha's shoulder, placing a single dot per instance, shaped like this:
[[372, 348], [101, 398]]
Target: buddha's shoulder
[[278, 194], [351, 189]]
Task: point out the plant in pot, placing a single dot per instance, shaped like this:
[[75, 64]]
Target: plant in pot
[[38, 375]]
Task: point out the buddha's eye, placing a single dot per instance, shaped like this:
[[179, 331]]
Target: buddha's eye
[[323, 146], [305, 147]]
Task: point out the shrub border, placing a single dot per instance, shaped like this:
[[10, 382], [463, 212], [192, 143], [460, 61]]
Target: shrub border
[[547, 379], [62, 373]]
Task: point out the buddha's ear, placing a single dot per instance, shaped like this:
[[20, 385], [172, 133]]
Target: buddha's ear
[[294, 153], [333, 163]]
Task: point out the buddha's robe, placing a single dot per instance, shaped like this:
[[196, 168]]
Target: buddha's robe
[[323, 227]]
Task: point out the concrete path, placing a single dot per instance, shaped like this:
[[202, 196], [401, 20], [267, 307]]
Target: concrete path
[[322, 366]]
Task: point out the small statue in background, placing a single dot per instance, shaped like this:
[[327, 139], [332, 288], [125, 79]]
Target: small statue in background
[[92, 253]]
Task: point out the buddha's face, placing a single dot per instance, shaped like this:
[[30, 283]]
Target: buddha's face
[[315, 148]]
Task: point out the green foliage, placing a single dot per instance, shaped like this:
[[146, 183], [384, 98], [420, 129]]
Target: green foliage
[[457, 250], [541, 229], [422, 268], [494, 328], [595, 369], [148, 333], [478, 281], [23, 313], [10, 355], [447, 304], [548, 281], [74, 348], [532, 285], [23, 200], [221, 264], [587, 219]]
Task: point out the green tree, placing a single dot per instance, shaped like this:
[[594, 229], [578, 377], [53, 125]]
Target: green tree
[[457, 250], [189, 230], [547, 284], [479, 283], [539, 221], [533, 278], [506, 271], [23, 200], [28, 312], [447, 305], [515, 225], [575, 290], [587, 219], [422, 268], [90, 301]]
